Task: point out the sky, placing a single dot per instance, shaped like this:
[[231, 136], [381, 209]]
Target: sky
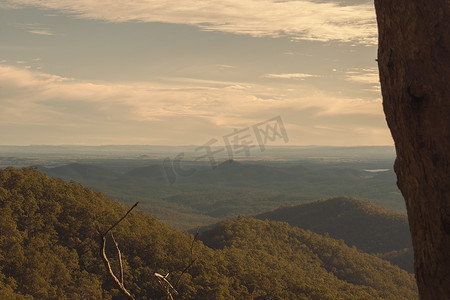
[[145, 72]]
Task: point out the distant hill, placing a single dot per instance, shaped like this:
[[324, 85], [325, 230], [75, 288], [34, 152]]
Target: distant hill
[[49, 249], [233, 188], [234, 173], [76, 171], [178, 220], [359, 223]]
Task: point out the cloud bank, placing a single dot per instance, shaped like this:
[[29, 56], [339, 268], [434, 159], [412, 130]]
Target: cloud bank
[[173, 111], [300, 19]]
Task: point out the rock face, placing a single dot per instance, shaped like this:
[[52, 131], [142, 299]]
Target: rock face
[[414, 65]]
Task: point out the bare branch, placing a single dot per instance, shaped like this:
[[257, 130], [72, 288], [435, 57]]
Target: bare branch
[[163, 282], [120, 220], [119, 255], [118, 283], [165, 285]]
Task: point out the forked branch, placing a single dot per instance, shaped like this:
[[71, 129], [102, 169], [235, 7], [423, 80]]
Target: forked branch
[[103, 235], [165, 285]]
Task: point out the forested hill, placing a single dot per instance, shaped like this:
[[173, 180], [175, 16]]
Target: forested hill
[[307, 255], [49, 249], [369, 227], [361, 223]]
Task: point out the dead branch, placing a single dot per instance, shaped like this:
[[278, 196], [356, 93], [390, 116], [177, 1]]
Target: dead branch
[[119, 256], [118, 283], [163, 282], [165, 285], [120, 220]]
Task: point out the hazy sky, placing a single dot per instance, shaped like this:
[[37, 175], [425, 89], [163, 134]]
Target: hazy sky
[[99, 72]]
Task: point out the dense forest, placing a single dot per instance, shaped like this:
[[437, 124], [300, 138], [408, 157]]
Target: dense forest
[[369, 227], [49, 249]]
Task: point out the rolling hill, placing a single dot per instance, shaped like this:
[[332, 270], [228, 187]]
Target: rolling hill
[[303, 254], [49, 249], [369, 227], [77, 171]]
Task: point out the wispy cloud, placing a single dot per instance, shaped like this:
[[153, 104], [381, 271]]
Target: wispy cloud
[[300, 76], [224, 67], [368, 75], [301, 19], [175, 96], [172, 110], [35, 28], [41, 32], [9, 5]]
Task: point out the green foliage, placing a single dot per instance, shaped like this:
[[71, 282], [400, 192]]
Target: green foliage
[[359, 223], [49, 249], [300, 260]]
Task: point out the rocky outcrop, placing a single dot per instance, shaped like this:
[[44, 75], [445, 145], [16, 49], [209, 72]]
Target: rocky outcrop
[[414, 65]]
